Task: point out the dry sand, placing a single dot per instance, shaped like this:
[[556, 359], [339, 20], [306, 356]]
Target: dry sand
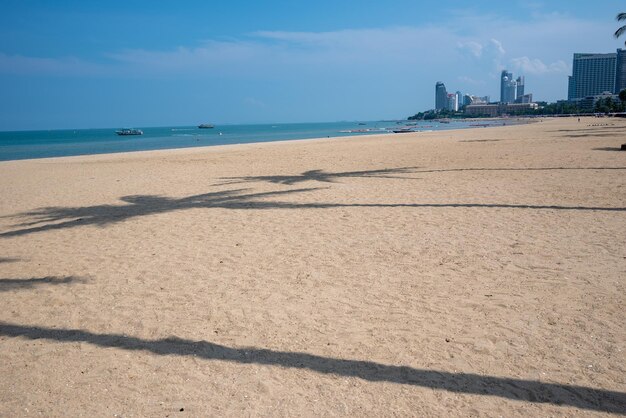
[[456, 273]]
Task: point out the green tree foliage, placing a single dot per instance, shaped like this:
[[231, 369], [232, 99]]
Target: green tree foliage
[[608, 105]]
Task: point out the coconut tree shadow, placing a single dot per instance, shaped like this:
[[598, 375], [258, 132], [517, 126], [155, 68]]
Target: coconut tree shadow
[[608, 149], [56, 218], [595, 135], [13, 284], [467, 383], [322, 176]]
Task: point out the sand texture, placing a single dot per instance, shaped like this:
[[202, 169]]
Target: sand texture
[[461, 273]]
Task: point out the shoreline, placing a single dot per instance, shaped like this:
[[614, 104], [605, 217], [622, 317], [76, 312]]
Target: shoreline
[[331, 138]]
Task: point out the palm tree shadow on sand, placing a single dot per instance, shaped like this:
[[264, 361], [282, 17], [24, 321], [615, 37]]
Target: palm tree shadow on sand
[[509, 388], [56, 218], [390, 173], [18, 284], [322, 176]]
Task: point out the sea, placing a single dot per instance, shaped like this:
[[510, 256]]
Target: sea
[[18, 145]]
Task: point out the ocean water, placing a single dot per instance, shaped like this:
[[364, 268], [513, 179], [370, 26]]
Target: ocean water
[[18, 145]]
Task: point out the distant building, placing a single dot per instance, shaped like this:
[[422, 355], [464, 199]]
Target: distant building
[[499, 109], [441, 96], [453, 104], [520, 89], [589, 102], [454, 101], [508, 87], [525, 98], [593, 74], [470, 99]]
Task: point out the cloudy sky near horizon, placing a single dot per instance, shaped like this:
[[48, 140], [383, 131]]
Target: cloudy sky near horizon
[[82, 64]]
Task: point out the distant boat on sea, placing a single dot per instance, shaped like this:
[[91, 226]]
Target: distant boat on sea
[[206, 126], [125, 132]]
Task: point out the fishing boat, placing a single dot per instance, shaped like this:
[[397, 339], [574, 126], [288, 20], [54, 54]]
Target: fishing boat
[[205, 126], [125, 132]]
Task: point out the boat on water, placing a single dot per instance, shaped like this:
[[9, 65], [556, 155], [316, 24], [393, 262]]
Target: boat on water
[[403, 130], [206, 126], [125, 132]]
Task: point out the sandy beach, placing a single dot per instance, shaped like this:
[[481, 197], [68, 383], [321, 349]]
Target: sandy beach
[[477, 272]]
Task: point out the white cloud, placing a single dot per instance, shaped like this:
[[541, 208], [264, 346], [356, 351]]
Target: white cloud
[[537, 67], [272, 52], [497, 46], [495, 51], [474, 48]]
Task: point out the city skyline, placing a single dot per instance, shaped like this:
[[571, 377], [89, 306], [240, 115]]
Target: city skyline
[[512, 90], [139, 63]]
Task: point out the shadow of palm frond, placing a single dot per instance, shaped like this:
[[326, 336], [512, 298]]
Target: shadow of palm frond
[[608, 149], [451, 170], [325, 177], [322, 176], [54, 218], [532, 391], [12, 284], [595, 135]]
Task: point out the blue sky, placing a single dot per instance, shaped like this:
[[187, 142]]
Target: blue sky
[[88, 64]]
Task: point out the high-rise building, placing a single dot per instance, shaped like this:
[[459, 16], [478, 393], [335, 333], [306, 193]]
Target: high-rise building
[[469, 99], [504, 78], [459, 99], [520, 88], [508, 87], [441, 96], [594, 74], [453, 104]]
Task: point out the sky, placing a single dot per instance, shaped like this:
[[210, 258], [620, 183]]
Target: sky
[[140, 63]]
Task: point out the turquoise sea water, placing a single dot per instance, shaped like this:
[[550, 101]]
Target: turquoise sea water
[[18, 145]]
